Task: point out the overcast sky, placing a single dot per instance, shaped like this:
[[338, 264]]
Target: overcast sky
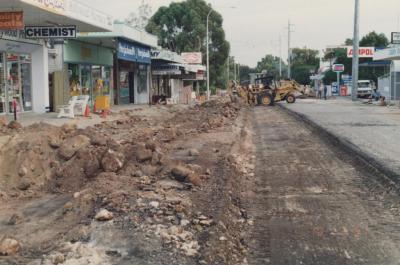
[[253, 27]]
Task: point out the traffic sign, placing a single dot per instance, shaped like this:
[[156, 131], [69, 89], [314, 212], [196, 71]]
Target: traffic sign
[[395, 37]]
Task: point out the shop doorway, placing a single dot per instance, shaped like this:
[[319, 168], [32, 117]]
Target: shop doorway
[[131, 87], [15, 82]]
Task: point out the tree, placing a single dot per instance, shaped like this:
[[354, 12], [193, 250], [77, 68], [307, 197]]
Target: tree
[[181, 27], [270, 63], [141, 19], [374, 40], [304, 63]]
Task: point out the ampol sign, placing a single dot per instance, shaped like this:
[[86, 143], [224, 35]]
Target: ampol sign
[[364, 52]]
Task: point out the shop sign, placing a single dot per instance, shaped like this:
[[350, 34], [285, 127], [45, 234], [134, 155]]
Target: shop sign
[[364, 52], [50, 5], [166, 55], [395, 37], [15, 34], [192, 57], [38, 32], [131, 52], [11, 20], [338, 68]]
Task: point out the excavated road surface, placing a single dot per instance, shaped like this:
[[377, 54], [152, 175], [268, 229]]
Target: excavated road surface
[[314, 204]]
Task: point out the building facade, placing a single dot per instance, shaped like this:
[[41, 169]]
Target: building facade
[[24, 62]]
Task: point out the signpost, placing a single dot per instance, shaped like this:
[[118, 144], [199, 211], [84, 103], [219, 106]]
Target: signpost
[[395, 37], [338, 68], [43, 32]]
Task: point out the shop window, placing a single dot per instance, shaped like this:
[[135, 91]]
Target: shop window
[[75, 88], [142, 79]]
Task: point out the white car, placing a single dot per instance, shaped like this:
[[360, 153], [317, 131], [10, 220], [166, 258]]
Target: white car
[[365, 88]]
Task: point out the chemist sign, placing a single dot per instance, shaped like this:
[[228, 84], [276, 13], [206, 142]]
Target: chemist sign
[[364, 52], [39, 32]]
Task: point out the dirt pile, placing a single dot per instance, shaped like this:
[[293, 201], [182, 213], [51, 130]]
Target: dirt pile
[[132, 174]]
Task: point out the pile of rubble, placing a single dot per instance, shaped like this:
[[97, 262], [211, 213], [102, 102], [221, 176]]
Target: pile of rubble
[[117, 171]]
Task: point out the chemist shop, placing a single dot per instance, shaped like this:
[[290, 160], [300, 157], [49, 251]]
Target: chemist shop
[[23, 73], [132, 73], [89, 70]]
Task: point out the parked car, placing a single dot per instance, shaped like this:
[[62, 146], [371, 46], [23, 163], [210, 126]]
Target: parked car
[[365, 88]]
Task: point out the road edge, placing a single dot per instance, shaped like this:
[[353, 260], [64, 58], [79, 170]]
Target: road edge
[[383, 173]]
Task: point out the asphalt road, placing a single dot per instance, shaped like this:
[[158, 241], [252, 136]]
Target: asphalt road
[[312, 203]]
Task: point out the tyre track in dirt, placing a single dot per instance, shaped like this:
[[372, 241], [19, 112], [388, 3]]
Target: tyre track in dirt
[[312, 204]]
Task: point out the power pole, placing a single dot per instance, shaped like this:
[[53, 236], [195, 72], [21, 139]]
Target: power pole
[[289, 50], [234, 70], [356, 46], [238, 69], [280, 56], [228, 69]]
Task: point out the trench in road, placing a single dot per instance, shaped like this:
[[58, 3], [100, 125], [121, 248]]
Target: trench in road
[[312, 203]]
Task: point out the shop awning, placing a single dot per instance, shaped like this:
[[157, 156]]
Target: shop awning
[[60, 12], [376, 64], [167, 69]]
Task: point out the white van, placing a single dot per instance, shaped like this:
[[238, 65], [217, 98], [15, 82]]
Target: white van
[[365, 88]]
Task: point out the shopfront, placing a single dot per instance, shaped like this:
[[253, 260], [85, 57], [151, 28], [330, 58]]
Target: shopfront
[[89, 70], [132, 73], [23, 75]]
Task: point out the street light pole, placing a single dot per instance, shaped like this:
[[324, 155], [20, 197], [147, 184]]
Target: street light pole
[[356, 46], [208, 58]]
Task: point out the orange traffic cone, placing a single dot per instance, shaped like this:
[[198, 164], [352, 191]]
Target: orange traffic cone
[[87, 111]]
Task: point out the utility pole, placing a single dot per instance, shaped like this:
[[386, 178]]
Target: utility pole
[[234, 71], [238, 69], [280, 56], [228, 69], [356, 46], [208, 58], [289, 50]]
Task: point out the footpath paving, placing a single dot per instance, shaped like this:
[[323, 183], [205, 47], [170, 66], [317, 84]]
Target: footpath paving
[[371, 130]]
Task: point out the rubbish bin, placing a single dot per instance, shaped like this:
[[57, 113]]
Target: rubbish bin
[[343, 91]]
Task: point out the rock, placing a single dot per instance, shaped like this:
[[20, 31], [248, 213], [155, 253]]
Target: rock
[[154, 204], [14, 125], [137, 174], [194, 179], [57, 258], [92, 166], [194, 152], [169, 184], [104, 215], [180, 173], [69, 127], [112, 161], [149, 170], [9, 247], [55, 142], [151, 146], [15, 219], [97, 139], [69, 148], [24, 185], [184, 222], [22, 171], [143, 155]]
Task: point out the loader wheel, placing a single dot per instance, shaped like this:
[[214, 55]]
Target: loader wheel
[[266, 100], [290, 99]]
